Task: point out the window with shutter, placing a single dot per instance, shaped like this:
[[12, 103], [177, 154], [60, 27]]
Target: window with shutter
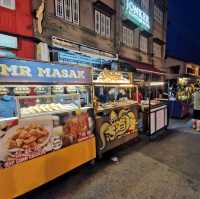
[[124, 35], [75, 9], [131, 38], [143, 44], [68, 10], [103, 19], [97, 22], [107, 27], [157, 50], [102, 24], [136, 38], [145, 5], [10, 4], [59, 5], [158, 15], [127, 37]]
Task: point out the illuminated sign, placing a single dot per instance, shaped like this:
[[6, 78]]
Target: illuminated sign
[[8, 41], [135, 14], [12, 70]]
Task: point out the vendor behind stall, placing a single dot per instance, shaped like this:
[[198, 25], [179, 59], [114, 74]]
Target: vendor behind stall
[[122, 94], [7, 106]]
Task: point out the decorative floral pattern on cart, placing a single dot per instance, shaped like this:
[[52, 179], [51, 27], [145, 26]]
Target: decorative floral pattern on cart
[[120, 125]]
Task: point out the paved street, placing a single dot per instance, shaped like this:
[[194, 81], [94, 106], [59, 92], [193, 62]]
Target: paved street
[[167, 168]]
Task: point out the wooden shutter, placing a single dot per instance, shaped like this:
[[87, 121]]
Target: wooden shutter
[[108, 27], [124, 35], [59, 5], [145, 5], [68, 10], [143, 44], [75, 11], [97, 22], [157, 50], [131, 38], [136, 38], [103, 25]]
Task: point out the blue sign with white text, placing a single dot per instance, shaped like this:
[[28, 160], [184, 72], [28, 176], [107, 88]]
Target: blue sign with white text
[[78, 58], [15, 70]]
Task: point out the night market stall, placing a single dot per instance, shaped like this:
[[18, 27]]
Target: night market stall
[[115, 109], [180, 93], [46, 123], [153, 102]]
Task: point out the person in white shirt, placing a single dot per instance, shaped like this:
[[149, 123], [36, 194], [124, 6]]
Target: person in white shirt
[[196, 110]]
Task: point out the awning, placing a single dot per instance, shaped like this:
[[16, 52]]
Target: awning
[[143, 67]]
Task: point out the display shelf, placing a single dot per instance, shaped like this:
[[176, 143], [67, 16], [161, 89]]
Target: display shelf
[[48, 113], [55, 112], [99, 110], [15, 181]]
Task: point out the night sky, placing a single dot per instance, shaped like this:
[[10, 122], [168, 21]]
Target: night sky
[[183, 37]]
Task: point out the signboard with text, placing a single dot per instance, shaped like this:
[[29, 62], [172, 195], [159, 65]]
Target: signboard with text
[[14, 70], [132, 12]]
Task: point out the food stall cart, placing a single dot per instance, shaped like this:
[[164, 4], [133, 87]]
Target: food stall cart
[[46, 124], [153, 108], [115, 109], [155, 116], [181, 97]]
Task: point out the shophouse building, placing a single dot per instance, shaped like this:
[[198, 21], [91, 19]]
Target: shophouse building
[[142, 37], [16, 31], [128, 34], [76, 31], [177, 67]]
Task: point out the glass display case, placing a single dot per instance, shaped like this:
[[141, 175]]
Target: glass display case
[[42, 123], [113, 96], [32, 100], [113, 89], [29, 106]]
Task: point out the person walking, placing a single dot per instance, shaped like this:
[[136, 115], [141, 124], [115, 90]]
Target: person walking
[[196, 110]]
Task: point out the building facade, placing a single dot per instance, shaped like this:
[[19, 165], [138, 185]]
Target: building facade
[[77, 30], [142, 36], [176, 68], [109, 33], [16, 30]]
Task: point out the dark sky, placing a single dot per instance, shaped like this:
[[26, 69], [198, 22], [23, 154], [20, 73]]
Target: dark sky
[[183, 37]]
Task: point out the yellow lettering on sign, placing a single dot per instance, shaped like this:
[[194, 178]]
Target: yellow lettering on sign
[[56, 73], [25, 71], [4, 70], [64, 73], [44, 72], [81, 74], [72, 74], [14, 70]]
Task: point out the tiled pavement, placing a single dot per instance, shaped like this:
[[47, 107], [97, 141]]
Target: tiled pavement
[[167, 168]]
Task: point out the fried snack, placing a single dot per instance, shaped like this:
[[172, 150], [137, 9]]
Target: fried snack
[[28, 137]]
